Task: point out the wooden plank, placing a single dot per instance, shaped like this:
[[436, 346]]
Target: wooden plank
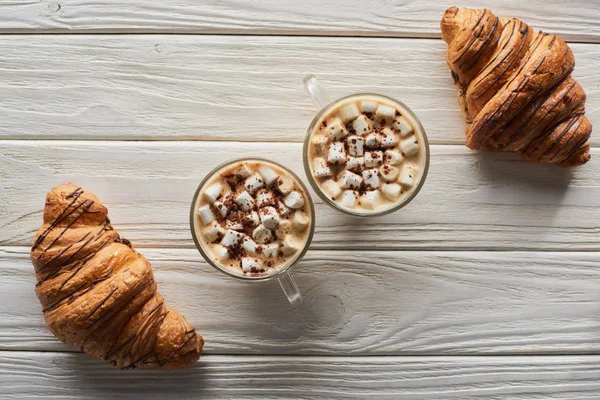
[[369, 302], [176, 87], [470, 200], [26, 375], [577, 21]]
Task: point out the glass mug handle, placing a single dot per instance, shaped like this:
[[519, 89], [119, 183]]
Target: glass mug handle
[[290, 289], [316, 91]]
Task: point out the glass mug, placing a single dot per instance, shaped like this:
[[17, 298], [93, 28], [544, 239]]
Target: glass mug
[[324, 103], [282, 274]]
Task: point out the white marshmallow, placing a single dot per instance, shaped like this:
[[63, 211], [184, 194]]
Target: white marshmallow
[[337, 130], [231, 238], [356, 145], [262, 234], [407, 180], [355, 163], [349, 198], [373, 158], [349, 112], [250, 263], [409, 146], [368, 106], [349, 179], [249, 245], [370, 199], [285, 184], [220, 205], [284, 227], [385, 112], [206, 214], [252, 219], [300, 221], [373, 140], [270, 250], [212, 192], [289, 246], [213, 231], [245, 201], [253, 183], [265, 198], [269, 217], [391, 191], [393, 157], [390, 139], [283, 209], [331, 188], [337, 153], [320, 144], [294, 200], [320, 167], [389, 172], [371, 178], [362, 125], [220, 252], [268, 174], [243, 171], [235, 225], [403, 126]]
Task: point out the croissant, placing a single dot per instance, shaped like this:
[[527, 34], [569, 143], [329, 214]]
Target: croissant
[[99, 294], [516, 89]]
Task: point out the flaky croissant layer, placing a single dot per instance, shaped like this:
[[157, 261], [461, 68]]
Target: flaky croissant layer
[[99, 294], [516, 89]]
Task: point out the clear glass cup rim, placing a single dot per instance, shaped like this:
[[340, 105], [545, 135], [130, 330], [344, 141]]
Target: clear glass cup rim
[[326, 198], [209, 260]]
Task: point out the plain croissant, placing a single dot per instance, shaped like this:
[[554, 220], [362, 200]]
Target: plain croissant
[[516, 89], [99, 294]]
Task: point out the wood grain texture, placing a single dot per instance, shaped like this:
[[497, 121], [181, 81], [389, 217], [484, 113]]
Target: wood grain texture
[[470, 200], [575, 20], [370, 302], [186, 87], [61, 376]]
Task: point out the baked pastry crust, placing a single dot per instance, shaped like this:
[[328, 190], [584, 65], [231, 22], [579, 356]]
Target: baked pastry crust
[[515, 88], [99, 294]]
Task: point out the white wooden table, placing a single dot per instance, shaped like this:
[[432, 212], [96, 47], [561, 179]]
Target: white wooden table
[[487, 286]]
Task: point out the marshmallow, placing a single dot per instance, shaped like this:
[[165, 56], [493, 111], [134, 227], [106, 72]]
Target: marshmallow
[[249, 245], [231, 238], [220, 252], [406, 179], [392, 157], [243, 171], [368, 106], [294, 200], [245, 201], [268, 174], [262, 234], [370, 199], [320, 167], [389, 138], [265, 198], [212, 192], [206, 214], [371, 178], [221, 204], [269, 217], [409, 146], [337, 153], [391, 191], [349, 179], [349, 198], [385, 112], [251, 219], [253, 183], [234, 224], [331, 188], [283, 210], [300, 221], [349, 112], [320, 144], [356, 145], [213, 231], [362, 125], [355, 163], [336, 130], [285, 184], [373, 140], [389, 173], [289, 246], [373, 158], [270, 250], [249, 264], [402, 126], [283, 229]]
